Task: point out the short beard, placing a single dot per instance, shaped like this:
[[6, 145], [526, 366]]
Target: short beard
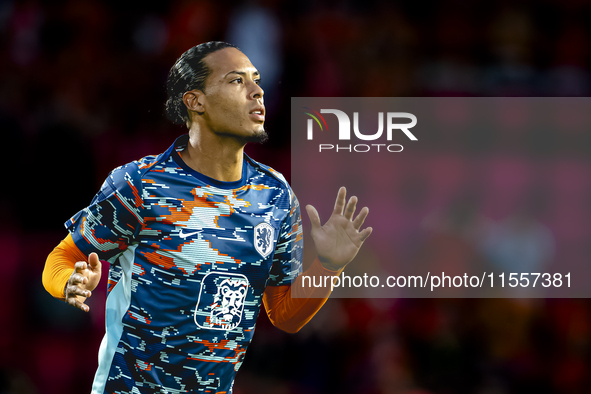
[[259, 137]]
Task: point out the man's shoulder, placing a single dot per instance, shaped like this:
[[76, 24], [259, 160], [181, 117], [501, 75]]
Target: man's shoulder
[[146, 163], [131, 174], [150, 162], [269, 171], [278, 179], [139, 166]]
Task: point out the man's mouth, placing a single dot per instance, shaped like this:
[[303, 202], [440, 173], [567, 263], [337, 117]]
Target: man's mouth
[[258, 113]]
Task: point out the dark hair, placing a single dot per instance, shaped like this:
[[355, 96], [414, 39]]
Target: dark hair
[[188, 72]]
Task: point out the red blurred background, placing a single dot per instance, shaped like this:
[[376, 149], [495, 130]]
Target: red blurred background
[[82, 87]]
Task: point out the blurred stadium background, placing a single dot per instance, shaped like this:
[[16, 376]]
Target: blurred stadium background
[[82, 91]]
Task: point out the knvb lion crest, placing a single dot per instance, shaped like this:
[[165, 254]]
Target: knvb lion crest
[[263, 238], [221, 301], [228, 304]]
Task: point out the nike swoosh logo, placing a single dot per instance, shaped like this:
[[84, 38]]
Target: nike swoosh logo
[[185, 235]]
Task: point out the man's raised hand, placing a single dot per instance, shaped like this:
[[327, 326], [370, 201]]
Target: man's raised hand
[[83, 280], [339, 240]]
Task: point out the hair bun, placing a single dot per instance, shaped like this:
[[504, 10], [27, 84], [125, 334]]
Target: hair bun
[[172, 111]]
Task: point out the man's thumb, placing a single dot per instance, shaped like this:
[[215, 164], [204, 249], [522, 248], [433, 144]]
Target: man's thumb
[[94, 261]]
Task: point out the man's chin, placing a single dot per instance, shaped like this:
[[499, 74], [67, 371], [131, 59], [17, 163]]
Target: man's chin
[[259, 136]]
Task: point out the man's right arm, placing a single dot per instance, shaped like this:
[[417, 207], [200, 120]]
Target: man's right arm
[[107, 226], [69, 275]]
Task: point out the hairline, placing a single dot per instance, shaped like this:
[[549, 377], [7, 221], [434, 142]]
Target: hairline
[[210, 69]]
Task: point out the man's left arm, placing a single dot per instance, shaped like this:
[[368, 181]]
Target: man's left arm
[[290, 307]]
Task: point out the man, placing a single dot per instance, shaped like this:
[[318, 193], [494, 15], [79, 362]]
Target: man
[[197, 238]]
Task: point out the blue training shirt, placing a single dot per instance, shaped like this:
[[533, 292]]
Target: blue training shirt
[[190, 258]]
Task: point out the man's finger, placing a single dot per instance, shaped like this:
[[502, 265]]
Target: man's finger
[[339, 204], [358, 222], [75, 290], [75, 303], [80, 266], [365, 233], [350, 208], [313, 215], [78, 279]]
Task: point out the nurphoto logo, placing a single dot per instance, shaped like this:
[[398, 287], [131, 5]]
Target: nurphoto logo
[[344, 133]]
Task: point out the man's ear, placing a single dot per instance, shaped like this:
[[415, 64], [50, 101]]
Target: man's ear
[[194, 100]]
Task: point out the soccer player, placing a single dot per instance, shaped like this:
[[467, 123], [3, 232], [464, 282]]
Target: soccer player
[[197, 237]]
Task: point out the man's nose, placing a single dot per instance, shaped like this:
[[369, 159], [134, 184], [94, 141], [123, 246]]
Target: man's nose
[[257, 92]]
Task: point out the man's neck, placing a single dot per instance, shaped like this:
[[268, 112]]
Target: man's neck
[[218, 157]]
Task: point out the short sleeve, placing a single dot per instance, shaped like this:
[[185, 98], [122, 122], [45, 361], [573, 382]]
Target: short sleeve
[[114, 217], [287, 260]]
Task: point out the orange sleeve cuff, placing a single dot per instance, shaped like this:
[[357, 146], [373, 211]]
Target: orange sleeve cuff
[[60, 265], [290, 307]]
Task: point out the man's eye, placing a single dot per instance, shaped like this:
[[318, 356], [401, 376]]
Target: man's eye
[[237, 80], [257, 81]]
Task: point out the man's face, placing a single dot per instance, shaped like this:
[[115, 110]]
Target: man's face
[[233, 99]]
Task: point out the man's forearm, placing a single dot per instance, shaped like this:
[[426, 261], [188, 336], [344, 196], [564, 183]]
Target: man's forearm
[[291, 307], [60, 265]]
